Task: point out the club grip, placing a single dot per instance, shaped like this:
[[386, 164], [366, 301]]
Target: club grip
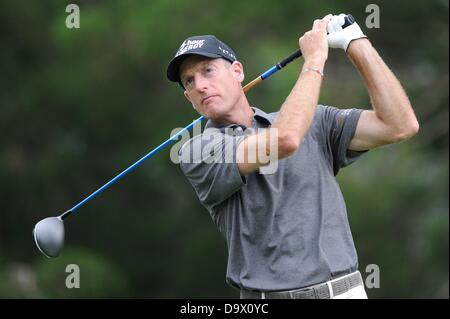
[[290, 58], [348, 21]]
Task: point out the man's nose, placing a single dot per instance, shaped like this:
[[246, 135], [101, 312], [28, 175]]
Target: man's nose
[[201, 83]]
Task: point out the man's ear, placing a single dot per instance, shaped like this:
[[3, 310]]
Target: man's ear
[[186, 94], [238, 71]]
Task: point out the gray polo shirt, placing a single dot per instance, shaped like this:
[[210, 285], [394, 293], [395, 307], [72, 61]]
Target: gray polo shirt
[[284, 230]]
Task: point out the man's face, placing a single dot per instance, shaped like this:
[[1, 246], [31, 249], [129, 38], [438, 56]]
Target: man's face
[[213, 86]]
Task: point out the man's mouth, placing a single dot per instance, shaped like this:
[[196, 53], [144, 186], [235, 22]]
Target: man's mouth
[[207, 98]]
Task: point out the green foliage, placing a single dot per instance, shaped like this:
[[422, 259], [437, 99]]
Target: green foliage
[[78, 106]]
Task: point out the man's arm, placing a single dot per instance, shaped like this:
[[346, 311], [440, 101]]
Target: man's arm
[[392, 119], [297, 111]]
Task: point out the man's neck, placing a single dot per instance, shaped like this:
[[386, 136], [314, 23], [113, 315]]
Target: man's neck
[[241, 114]]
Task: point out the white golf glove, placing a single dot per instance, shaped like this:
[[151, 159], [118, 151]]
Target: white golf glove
[[341, 38]]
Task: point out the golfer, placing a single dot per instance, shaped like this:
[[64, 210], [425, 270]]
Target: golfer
[[287, 231]]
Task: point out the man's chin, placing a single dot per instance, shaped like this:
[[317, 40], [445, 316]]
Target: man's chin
[[214, 112]]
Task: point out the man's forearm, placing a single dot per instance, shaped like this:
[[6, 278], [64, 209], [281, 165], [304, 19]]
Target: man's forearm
[[388, 98], [290, 126], [297, 112]]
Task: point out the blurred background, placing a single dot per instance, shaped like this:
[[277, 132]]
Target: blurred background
[[77, 106]]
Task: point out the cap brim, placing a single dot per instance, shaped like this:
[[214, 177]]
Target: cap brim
[[173, 70]]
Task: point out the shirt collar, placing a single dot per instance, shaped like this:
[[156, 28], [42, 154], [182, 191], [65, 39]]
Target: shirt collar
[[262, 115], [258, 115]]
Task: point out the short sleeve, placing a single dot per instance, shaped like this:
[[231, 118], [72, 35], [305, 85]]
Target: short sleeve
[[209, 163], [340, 126]]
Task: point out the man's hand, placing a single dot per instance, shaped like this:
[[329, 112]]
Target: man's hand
[[339, 37], [314, 44]]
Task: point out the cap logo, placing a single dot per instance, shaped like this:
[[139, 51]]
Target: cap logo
[[227, 53], [190, 45]]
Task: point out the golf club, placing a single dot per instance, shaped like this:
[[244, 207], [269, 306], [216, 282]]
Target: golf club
[[48, 234]]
